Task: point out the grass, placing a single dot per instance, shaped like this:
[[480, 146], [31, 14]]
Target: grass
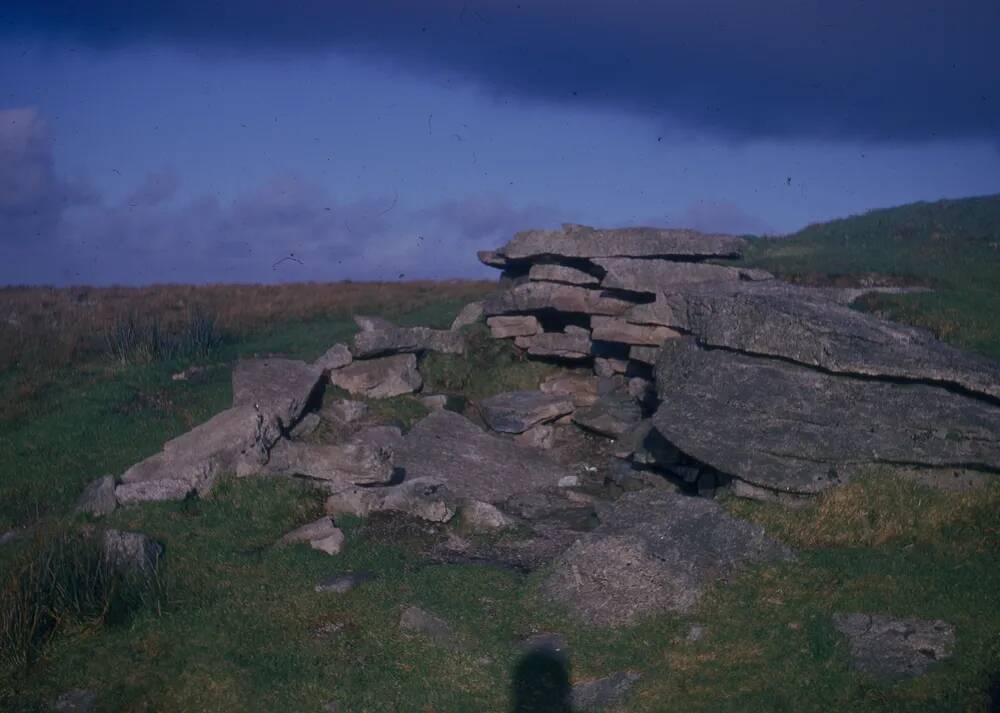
[[241, 628]]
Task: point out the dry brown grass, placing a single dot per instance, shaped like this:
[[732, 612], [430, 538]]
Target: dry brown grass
[[872, 511], [57, 326]]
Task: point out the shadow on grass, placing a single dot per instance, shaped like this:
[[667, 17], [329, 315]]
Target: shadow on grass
[[541, 683]]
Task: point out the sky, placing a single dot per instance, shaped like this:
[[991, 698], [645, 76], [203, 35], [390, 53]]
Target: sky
[[148, 142]]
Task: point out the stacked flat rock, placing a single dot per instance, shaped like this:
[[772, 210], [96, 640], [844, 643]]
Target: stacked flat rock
[[566, 293]]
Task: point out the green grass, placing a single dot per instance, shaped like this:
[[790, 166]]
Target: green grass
[[952, 246], [241, 628]]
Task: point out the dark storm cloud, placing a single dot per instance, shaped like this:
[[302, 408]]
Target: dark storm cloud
[[886, 69]]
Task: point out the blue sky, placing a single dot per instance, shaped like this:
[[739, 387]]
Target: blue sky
[[144, 145]]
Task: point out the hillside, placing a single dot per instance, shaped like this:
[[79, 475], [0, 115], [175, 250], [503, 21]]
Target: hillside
[[951, 246]]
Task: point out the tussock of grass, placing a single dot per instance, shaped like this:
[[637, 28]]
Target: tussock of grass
[[63, 580], [874, 510]]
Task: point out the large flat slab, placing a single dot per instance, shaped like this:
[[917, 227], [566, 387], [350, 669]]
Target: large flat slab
[[581, 241], [638, 275], [471, 462], [790, 428], [537, 296], [807, 326]]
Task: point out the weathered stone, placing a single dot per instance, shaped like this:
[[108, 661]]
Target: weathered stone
[[278, 387], [654, 551], [322, 535], [368, 324], [569, 481], [644, 355], [517, 411], [540, 436], [492, 258], [535, 296], [611, 329], [415, 620], [424, 497], [602, 693], [803, 325], [582, 388], [346, 411], [474, 464], [380, 378], [236, 439], [613, 415], [434, 402], [891, 648], [656, 275], [336, 357], [580, 241], [561, 345], [386, 437], [305, 427], [98, 498], [787, 427], [518, 325], [478, 515], [608, 366], [132, 551], [562, 273], [354, 500], [470, 314], [344, 582], [347, 463], [395, 340], [77, 700]]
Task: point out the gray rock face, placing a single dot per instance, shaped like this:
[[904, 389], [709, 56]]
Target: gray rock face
[[132, 551], [580, 241], [237, 439], [281, 387], [562, 273], [502, 327], [602, 693], [470, 314], [380, 378], [481, 516], [535, 296], [613, 415], [612, 329], [396, 340], [609, 366], [654, 552], [472, 463], [98, 498], [344, 463], [572, 344], [518, 411], [306, 426], [336, 357], [803, 325], [657, 275], [890, 648], [794, 429]]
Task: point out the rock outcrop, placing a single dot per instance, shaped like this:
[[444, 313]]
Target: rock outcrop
[[890, 648], [791, 428]]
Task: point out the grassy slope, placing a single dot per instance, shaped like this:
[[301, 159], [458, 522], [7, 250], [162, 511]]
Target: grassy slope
[[952, 246], [243, 629]]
